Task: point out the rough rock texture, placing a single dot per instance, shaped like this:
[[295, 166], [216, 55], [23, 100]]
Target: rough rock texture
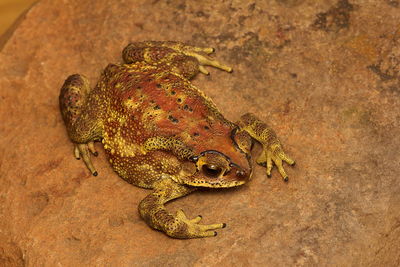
[[324, 74]]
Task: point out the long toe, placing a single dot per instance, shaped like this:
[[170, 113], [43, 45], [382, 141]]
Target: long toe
[[278, 163], [213, 226], [92, 149]]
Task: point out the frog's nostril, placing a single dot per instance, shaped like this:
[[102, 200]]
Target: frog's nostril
[[240, 173]]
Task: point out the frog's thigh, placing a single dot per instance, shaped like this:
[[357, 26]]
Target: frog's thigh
[[81, 117], [73, 95], [80, 110]]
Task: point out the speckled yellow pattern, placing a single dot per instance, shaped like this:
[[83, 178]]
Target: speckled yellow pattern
[[161, 132]]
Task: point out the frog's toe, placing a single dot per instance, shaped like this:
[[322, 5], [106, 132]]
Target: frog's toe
[[269, 163], [278, 163], [92, 149], [287, 159], [197, 219], [262, 160], [203, 70], [208, 61], [209, 50], [214, 226], [205, 60], [77, 154], [83, 151]]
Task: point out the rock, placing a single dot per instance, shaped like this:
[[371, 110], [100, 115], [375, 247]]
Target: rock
[[324, 75]]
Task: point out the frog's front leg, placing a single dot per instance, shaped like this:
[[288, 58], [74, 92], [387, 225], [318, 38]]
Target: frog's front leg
[[81, 117], [153, 211], [250, 125]]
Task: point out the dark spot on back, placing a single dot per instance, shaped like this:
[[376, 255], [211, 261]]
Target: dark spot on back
[[186, 107], [173, 119]]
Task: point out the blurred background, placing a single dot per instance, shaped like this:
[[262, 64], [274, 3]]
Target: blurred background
[[10, 11]]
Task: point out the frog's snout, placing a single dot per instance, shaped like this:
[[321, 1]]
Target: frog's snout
[[239, 171]]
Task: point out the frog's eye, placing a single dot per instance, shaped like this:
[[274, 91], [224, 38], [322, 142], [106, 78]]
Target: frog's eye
[[212, 171]]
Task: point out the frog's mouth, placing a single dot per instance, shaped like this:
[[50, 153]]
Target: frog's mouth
[[215, 169]]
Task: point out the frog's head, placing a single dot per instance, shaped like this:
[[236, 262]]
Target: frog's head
[[212, 168]]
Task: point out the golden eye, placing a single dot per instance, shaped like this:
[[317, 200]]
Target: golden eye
[[211, 170]]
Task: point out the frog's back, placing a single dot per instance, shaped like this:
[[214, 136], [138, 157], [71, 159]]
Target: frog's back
[[191, 144], [149, 100]]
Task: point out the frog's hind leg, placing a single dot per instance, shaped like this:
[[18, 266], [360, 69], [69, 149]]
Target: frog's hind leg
[[152, 209], [185, 59], [137, 51], [81, 130]]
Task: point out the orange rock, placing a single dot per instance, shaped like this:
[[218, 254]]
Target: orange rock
[[341, 206]]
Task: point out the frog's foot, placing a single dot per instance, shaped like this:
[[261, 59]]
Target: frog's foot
[[192, 228], [84, 150], [274, 154], [204, 60]]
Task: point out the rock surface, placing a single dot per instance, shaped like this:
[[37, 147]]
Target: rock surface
[[325, 75]]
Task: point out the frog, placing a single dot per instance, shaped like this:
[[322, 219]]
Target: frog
[[162, 133]]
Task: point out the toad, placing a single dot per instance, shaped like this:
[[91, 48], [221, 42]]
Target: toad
[[161, 132]]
